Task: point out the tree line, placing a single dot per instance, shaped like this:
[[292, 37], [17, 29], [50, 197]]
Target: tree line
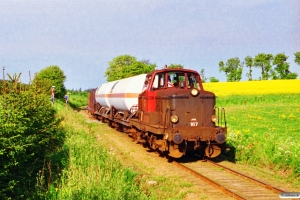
[[272, 67]]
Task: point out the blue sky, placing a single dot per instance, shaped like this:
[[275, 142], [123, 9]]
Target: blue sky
[[81, 37]]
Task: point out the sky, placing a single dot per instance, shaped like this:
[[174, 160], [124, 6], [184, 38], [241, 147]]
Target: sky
[[82, 37]]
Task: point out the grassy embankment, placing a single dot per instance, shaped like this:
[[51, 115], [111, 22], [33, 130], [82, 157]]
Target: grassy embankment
[[89, 171], [263, 120]]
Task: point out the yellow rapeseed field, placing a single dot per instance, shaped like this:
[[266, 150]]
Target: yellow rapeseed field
[[254, 87]]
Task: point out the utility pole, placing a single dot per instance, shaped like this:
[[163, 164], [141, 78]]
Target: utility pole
[[29, 78], [3, 73]]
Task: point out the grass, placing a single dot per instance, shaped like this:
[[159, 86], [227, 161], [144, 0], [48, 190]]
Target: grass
[[91, 173], [263, 124], [78, 100]]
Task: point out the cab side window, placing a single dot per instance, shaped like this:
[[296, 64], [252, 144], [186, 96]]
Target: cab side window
[[159, 81]]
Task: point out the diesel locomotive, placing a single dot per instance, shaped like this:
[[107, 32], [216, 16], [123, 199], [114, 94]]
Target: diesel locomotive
[[167, 110]]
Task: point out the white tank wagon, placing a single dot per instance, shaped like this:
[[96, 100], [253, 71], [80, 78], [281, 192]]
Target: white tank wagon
[[122, 94], [102, 92]]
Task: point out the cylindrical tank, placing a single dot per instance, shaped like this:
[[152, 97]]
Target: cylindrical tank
[[121, 94], [102, 92]]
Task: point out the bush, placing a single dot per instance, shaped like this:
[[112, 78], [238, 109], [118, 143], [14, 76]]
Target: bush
[[213, 79], [29, 134]]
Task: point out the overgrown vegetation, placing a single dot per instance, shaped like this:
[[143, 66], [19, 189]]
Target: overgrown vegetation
[[92, 173], [78, 100], [30, 135], [49, 152]]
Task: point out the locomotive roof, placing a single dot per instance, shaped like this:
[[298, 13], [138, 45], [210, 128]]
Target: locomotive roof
[[172, 70]]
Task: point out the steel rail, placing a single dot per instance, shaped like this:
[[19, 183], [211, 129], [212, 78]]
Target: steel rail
[[266, 185], [211, 182]]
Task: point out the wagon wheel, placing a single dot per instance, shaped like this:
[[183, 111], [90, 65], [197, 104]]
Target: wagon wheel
[[98, 106]]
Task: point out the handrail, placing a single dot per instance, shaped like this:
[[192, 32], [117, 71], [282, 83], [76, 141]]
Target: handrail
[[223, 111]]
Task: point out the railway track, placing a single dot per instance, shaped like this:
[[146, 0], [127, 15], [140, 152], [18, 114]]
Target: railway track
[[231, 182]]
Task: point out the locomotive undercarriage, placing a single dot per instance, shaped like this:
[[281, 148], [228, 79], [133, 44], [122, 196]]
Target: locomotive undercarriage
[[161, 139], [164, 145], [158, 138], [191, 142]]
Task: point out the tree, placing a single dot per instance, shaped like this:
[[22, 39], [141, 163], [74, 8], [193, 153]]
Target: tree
[[263, 61], [202, 75], [175, 66], [213, 79], [249, 63], [297, 57], [281, 71], [53, 76], [233, 69], [126, 66]]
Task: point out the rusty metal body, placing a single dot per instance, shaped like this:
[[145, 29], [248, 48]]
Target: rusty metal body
[[174, 115], [92, 105]]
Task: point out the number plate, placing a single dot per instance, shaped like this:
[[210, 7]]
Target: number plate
[[194, 123]]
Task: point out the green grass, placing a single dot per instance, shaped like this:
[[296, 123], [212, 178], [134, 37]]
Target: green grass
[[245, 100], [264, 131], [78, 100], [90, 172]]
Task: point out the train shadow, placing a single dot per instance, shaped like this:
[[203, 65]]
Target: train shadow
[[228, 155]]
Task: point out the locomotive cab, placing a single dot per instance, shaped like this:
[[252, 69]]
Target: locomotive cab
[[166, 80]]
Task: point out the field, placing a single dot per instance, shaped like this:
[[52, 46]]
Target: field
[[263, 120], [224, 89]]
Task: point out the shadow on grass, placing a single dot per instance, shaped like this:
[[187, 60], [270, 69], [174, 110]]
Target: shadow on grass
[[49, 177]]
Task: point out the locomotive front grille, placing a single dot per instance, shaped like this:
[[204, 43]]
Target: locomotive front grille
[[193, 112]]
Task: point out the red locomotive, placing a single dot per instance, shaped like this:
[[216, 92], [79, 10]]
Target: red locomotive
[[167, 109]]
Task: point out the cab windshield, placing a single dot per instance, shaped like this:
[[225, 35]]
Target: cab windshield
[[179, 79]]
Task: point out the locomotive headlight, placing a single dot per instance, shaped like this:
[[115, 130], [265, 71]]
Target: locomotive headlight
[[214, 118], [194, 92], [174, 119]]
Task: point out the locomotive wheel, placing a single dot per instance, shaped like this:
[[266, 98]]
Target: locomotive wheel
[[174, 151], [212, 151]]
